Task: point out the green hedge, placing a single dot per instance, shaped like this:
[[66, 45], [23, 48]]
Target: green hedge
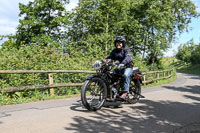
[[46, 58]]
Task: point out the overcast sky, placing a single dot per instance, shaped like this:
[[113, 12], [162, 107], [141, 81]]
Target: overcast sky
[[9, 11]]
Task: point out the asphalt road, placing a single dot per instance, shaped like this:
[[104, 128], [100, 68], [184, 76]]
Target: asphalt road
[[170, 108]]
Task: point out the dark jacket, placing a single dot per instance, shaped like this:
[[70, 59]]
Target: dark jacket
[[124, 56]]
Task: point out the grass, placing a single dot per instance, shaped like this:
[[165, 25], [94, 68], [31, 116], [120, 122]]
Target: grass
[[190, 69], [187, 68], [6, 100], [168, 62], [161, 82]]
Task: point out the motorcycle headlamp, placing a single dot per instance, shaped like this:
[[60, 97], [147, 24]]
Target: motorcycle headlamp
[[97, 65]]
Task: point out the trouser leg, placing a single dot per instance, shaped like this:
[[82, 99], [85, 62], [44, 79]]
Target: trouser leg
[[127, 77]]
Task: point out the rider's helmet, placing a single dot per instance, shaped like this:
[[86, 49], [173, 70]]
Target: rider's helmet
[[120, 39]]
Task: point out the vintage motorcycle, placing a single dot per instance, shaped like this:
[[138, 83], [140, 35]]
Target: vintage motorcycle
[[106, 85]]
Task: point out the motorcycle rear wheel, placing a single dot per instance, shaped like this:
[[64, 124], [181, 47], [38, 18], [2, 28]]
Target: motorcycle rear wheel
[[93, 94], [134, 92]]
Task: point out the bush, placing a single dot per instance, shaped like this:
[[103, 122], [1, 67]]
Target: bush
[[189, 53], [40, 58], [195, 55], [47, 58]]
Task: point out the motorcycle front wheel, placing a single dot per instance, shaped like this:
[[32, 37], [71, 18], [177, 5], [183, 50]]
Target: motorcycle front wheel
[[93, 93]]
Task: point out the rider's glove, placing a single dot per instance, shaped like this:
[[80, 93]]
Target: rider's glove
[[120, 66], [106, 60]]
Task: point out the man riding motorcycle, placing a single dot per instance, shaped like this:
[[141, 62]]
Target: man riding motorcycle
[[123, 54]]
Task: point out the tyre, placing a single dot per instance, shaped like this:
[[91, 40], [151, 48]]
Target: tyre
[[93, 93], [134, 92]]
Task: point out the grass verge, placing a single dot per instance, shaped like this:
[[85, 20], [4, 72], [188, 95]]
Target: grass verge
[[190, 69], [161, 82], [5, 100]]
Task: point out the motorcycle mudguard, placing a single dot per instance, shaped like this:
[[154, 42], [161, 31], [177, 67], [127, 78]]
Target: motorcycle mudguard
[[140, 81], [139, 76], [98, 76], [92, 76]]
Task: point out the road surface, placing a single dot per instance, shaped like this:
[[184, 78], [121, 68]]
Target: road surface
[[170, 108]]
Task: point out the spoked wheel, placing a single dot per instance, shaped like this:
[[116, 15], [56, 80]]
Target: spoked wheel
[[93, 94], [134, 92]]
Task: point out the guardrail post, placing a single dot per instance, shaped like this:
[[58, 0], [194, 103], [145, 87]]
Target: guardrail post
[[144, 79], [50, 83], [157, 76], [164, 74]]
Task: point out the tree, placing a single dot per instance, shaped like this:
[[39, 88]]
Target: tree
[[195, 55], [150, 26], [185, 51], [43, 21], [98, 19], [161, 20]]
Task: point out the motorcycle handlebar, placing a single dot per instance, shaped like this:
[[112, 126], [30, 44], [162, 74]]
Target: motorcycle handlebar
[[113, 64]]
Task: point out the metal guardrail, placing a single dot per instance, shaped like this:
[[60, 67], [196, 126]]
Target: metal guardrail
[[148, 77]]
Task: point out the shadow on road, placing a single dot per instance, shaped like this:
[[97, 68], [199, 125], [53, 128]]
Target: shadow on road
[[191, 76], [191, 89], [196, 77], [192, 97], [149, 116], [79, 107], [146, 117]]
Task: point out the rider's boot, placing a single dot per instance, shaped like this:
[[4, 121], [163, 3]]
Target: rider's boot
[[124, 95]]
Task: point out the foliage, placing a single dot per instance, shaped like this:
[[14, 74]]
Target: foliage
[[43, 22], [39, 58], [50, 38], [44, 58], [184, 51], [189, 53], [163, 81], [190, 68], [148, 25], [195, 55]]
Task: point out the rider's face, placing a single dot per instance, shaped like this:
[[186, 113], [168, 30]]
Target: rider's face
[[119, 45]]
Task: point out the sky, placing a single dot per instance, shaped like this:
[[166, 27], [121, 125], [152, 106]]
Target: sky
[[9, 19]]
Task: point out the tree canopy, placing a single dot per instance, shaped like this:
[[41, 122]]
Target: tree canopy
[[42, 21], [149, 26], [189, 52]]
